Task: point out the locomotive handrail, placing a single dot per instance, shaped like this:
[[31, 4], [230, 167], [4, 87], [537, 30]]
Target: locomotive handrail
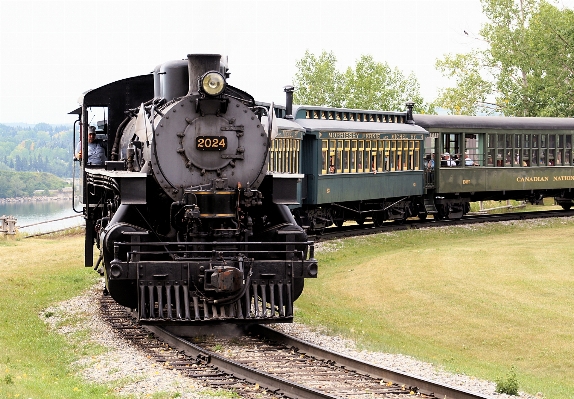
[[74, 169], [208, 253]]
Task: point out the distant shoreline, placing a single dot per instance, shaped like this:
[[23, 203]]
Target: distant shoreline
[[40, 198]]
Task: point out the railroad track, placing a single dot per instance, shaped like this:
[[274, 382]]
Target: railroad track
[[261, 362], [352, 230], [198, 368]]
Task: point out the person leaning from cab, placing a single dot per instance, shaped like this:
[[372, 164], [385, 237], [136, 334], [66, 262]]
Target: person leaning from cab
[[96, 151]]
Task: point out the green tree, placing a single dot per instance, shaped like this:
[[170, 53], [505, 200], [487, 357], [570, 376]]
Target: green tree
[[15, 187], [42, 148], [528, 65], [375, 85], [369, 85], [317, 80], [18, 184], [43, 127], [472, 88]]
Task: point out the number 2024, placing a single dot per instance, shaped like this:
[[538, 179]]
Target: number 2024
[[212, 143]]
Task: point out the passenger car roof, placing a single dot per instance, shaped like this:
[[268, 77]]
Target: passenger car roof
[[492, 122]]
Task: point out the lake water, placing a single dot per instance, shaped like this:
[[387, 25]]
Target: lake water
[[31, 216]]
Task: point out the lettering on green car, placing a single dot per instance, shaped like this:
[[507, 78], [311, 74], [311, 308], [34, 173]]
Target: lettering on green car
[[563, 178], [532, 179]]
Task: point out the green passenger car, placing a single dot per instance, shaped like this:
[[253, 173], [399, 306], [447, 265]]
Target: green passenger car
[[496, 158], [355, 165]]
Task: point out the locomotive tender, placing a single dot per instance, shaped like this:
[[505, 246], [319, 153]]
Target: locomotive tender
[[190, 227], [371, 165]]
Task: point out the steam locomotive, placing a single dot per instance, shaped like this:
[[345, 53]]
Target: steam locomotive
[[190, 226]]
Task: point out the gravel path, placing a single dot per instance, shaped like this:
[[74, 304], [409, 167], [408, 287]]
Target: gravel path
[[127, 371]]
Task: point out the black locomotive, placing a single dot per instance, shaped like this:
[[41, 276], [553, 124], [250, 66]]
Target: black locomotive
[[190, 227]]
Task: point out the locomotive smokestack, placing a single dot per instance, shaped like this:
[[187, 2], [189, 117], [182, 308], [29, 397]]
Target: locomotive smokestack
[[198, 64], [289, 101]]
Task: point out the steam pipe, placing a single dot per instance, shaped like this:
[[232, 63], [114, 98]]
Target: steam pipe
[[289, 101], [410, 106]]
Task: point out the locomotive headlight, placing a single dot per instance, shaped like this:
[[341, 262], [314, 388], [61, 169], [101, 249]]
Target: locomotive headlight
[[212, 83]]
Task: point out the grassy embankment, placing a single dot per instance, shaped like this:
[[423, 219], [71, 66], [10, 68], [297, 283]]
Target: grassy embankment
[[477, 300], [36, 273]]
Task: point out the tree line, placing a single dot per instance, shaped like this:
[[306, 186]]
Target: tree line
[[24, 184], [523, 67], [42, 148]]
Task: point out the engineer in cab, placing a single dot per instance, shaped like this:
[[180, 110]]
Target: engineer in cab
[[96, 151]]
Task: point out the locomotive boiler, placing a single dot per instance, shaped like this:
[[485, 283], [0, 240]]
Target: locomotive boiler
[[190, 226]]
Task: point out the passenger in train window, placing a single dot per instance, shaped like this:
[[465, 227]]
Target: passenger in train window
[[429, 162], [447, 160], [456, 159], [468, 160]]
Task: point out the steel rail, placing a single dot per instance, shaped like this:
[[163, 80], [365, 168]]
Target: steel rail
[[332, 233], [424, 386], [271, 383]]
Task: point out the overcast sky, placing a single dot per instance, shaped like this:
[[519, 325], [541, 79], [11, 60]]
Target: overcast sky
[[52, 51]]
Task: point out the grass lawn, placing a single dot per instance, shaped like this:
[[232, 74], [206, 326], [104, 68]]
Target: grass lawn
[[478, 300], [35, 273]]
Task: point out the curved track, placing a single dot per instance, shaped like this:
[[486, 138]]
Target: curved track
[[261, 362]]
